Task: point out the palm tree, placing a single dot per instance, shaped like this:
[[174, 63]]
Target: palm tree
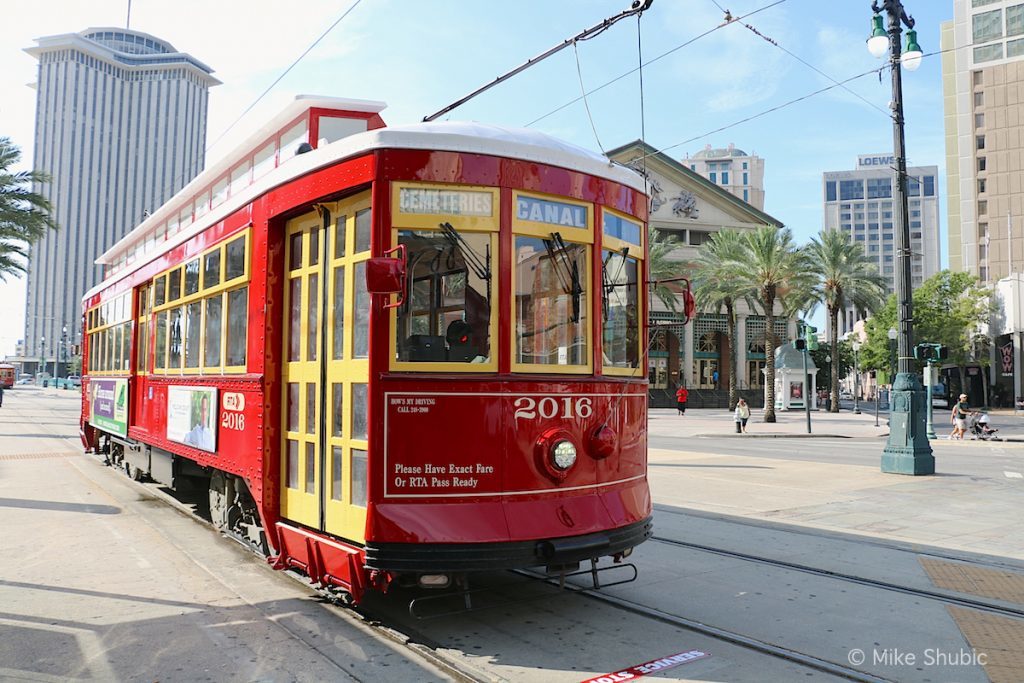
[[662, 269], [776, 270], [25, 215], [845, 277], [717, 289]]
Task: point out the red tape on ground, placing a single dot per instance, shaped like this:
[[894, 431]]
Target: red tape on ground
[[650, 667]]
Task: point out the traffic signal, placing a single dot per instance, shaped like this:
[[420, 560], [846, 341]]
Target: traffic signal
[[931, 352], [811, 336], [800, 344]]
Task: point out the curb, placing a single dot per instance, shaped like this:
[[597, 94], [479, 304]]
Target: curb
[[777, 435]]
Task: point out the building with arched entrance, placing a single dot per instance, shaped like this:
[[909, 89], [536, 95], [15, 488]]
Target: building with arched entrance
[[697, 355]]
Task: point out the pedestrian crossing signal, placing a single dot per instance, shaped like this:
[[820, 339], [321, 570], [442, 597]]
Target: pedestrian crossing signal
[[931, 352]]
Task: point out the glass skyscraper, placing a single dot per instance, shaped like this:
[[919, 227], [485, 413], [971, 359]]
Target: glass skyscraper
[[861, 204]]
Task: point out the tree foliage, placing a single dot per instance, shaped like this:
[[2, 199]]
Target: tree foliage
[[950, 308], [25, 215], [717, 289], [775, 270], [844, 276], [662, 268], [829, 368]]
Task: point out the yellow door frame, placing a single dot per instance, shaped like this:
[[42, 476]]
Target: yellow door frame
[[325, 448]]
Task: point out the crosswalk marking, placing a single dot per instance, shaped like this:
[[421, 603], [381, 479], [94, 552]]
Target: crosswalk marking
[[1014, 475]]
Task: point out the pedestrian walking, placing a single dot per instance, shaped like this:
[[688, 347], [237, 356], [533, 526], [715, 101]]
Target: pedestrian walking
[[681, 396], [1, 395], [741, 416], [959, 418]]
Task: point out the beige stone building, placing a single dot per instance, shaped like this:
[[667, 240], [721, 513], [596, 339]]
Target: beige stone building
[[983, 88], [696, 355]]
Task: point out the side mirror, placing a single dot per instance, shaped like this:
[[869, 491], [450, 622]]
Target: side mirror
[[386, 275]]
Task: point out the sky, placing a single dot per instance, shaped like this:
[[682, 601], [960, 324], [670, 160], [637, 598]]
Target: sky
[[420, 55]]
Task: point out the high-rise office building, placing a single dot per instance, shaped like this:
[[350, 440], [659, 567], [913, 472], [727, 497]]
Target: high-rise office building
[[983, 87], [733, 170], [120, 127], [861, 204]]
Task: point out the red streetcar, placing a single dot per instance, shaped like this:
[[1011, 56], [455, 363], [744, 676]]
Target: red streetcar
[[6, 376], [389, 353]]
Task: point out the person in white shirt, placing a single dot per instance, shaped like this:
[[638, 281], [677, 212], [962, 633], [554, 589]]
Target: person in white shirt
[[201, 436]]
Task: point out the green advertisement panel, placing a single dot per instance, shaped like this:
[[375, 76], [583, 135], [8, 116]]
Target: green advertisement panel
[[108, 405]]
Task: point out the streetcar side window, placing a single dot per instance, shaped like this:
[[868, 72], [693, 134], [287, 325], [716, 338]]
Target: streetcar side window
[[201, 323], [621, 268], [238, 327], [620, 311], [192, 277], [174, 285]]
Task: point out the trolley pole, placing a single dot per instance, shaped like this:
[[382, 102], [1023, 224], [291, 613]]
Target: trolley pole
[[636, 8]]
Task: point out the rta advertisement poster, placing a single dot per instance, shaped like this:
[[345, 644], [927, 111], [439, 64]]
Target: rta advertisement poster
[[108, 405], [192, 417]]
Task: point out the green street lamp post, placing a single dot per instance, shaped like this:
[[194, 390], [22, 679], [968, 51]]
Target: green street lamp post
[[907, 450]]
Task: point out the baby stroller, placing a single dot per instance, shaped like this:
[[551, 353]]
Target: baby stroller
[[980, 427]]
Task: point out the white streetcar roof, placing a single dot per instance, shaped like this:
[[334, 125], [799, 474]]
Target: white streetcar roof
[[454, 136], [493, 140]]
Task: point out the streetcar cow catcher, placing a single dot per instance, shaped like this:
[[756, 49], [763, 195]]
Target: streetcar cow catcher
[[390, 353]]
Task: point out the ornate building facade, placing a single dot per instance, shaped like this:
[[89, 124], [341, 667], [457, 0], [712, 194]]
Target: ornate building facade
[[697, 355]]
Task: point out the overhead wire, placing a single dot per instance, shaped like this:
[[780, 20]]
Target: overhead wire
[[579, 73], [652, 61], [284, 73], [227, 130], [837, 84], [771, 41]]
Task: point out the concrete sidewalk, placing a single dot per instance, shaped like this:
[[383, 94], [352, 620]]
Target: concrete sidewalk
[[718, 422]]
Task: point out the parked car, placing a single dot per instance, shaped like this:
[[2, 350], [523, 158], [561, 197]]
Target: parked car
[[845, 396], [24, 380], [75, 380]]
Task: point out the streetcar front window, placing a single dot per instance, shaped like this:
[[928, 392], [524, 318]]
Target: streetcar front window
[[620, 310], [551, 301], [446, 316]]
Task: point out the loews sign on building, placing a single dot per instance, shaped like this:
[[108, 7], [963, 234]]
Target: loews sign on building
[[870, 160]]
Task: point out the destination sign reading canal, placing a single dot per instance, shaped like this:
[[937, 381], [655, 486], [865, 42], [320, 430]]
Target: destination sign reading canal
[[421, 200], [554, 213]]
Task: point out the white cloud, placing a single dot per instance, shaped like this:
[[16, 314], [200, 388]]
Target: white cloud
[[733, 67]]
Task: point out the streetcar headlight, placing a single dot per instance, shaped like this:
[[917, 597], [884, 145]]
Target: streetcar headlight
[[563, 454]]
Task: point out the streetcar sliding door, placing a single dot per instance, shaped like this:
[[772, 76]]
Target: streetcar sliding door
[[326, 368]]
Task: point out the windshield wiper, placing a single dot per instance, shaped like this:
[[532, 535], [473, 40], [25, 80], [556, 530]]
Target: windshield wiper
[[481, 266], [567, 270], [611, 283]]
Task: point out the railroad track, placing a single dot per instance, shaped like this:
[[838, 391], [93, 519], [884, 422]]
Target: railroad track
[[725, 635], [978, 559], [942, 596]]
